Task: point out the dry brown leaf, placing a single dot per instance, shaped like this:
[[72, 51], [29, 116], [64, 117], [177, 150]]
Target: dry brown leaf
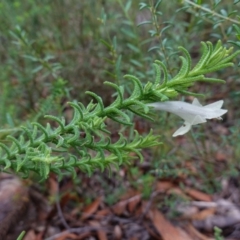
[[52, 185], [120, 207], [31, 235], [103, 212], [84, 235], [66, 197], [221, 157], [91, 208], [178, 191], [130, 193], [166, 229], [100, 232], [195, 234], [198, 195], [203, 214], [117, 232], [75, 211], [163, 186], [133, 202], [39, 236], [190, 166], [67, 235]]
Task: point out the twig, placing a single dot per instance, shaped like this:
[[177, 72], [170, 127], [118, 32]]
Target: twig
[[149, 204], [59, 210], [212, 12]]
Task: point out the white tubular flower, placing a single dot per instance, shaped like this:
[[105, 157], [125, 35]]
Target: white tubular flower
[[193, 113]]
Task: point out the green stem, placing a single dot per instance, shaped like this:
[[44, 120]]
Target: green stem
[[212, 12]]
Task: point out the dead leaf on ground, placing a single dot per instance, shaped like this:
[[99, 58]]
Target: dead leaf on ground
[[66, 236], [198, 195], [52, 185], [189, 165], [31, 235], [166, 229], [120, 207], [129, 194], [129, 201], [221, 157], [163, 186], [133, 202], [178, 191], [100, 232], [102, 213], [84, 235], [39, 236], [117, 232], [91, 208], [195, 234], [203, 214]]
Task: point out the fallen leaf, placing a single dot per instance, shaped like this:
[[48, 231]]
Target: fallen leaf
[[195, 234], [203, 214], [100, 232], [52, 185], [163, 186], [39, 236], [166, 229], [102, 213], [30, 235], [117, 232], [67, 235], [91, 208], [220, 156], [130, 193], [191, 167], [198, 195], [84, 235], [120, 207], [178, 191], [133, 202]]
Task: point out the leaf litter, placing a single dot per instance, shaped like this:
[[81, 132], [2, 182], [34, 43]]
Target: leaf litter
[[102, 207]]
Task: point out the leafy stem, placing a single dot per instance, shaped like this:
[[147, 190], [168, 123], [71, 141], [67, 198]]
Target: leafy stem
[[85, 142]]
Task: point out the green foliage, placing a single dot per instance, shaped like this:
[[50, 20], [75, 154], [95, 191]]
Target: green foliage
[[20, 237], [85, 141], [217, 233], [26, 46]]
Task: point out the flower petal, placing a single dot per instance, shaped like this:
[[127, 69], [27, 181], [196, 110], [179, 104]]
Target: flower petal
[[196, 102], [192, 114], [198, 119], [187, 125], [215, 105], [183, 129]]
